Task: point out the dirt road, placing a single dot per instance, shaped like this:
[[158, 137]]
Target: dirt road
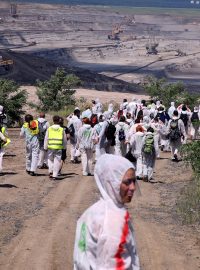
[[38, 216]]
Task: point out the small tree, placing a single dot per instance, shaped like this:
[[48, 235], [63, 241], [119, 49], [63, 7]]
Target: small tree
[[56, 93], [161, 90], [13, 99]]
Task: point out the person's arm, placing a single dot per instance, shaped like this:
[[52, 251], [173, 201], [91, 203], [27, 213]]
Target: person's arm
[[46, 140]]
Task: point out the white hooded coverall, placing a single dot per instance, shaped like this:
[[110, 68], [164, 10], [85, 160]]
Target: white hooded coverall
[[104, 235]]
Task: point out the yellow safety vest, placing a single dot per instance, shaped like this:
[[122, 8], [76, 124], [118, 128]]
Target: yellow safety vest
[[33, 131], [55, 138], [3, 131]]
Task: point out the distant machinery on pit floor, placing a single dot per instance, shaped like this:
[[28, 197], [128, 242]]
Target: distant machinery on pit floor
[[152, 44], [13, 10], [6, 64], [117, 28]]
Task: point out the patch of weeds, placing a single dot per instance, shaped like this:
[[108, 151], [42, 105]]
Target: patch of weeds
[[188, 205]]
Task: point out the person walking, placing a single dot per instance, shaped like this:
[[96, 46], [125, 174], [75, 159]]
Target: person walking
[[74, 125], [85, 143], [176, 134], [121, 137], [55, 141], [30, 131], [43, 126], [3, 142], [104, 233], [150, 151]]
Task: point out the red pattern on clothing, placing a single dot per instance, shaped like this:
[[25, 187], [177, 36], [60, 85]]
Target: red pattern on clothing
[[118, 256]]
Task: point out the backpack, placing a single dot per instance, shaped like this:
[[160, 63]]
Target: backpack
[[88, 138], [71, 130], [42, 130], [195, 117], [110, 131], [175, 133], [184, 118], [121, 135], [148, 147]]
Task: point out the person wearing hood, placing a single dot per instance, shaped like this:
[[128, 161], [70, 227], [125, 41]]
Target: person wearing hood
[[104, 233], [175, 133], [136, 150], [97, 130], [55, 141], [185, 114], [30, 130], [121, 137], [97, 107], [74, 125], [150, 150], [132, 106], [171, 109], [85, 143], [43, 126]]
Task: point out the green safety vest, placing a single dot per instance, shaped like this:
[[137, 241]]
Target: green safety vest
[[55, 138]]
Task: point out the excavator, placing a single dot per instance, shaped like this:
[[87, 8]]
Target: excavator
[[117, 28], [6, 64]]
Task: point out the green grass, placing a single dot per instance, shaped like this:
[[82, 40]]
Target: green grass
[[189, 204]]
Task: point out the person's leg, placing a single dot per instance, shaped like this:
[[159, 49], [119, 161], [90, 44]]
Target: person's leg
[[50, 160], [73, 151], [1, 159], [28, 158], [57, 163], [35, 155], [90, 160], [145, 171], [84, 161], [151, 165], [139, 167], [41, 157]]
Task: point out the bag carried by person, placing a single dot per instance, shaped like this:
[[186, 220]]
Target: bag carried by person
[[42, 131], [121, 135], [87, 138], [110, 131], [195, 118], [175, 133], [184, 118], [130, 156], [148, 147], [71, 130]]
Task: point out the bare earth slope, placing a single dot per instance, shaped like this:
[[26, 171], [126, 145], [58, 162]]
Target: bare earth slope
[[38, 217]]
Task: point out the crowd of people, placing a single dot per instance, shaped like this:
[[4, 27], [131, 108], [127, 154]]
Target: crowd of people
[[125, 144], [137, 130]]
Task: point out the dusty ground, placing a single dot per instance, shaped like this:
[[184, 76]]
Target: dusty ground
[[38, 217]]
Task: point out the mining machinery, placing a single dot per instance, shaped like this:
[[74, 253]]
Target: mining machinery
[[152, 44]]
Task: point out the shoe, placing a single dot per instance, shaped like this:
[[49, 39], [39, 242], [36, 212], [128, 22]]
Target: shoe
[[40, 167], [1, 174], [139, 178], [50, 175], [90, 174], [85, 174], [54, 178], [145, 179], [27, 171], [33, 174], [45, 166], [175, 157], [162, 148]]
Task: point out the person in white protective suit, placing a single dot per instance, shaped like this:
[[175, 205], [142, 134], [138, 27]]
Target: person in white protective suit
[[30, 131], [136, 141], [74, 125], [3, 141], [176, 134], [55, 141], [171, 109], [150, 152], [97, 129], [121, 137], [44, 125], [85, 143], [195, 123], [97, 107], [104, 234]]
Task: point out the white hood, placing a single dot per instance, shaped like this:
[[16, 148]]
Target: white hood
[[109, 171]]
